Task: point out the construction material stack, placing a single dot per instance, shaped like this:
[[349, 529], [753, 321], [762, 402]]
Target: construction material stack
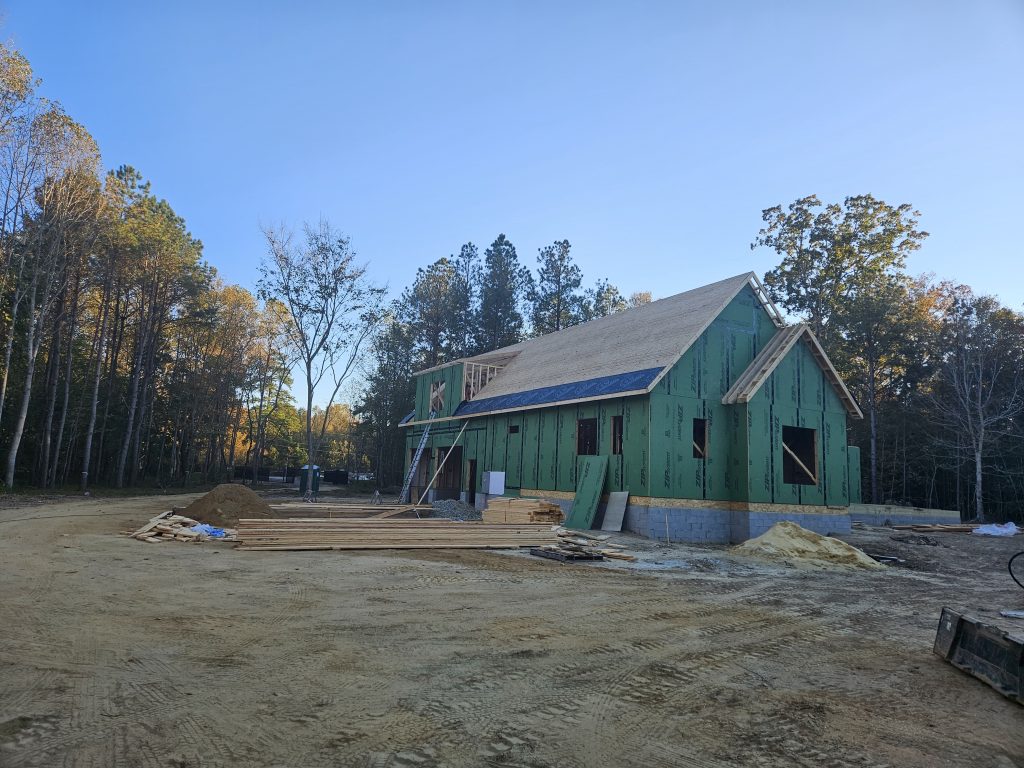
[[376, 533], [509, 510]]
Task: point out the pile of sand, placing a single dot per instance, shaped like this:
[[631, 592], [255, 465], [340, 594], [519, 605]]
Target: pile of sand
[[226, 504], [788, 541]]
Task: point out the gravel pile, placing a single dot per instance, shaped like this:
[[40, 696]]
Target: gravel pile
[[453, 509]]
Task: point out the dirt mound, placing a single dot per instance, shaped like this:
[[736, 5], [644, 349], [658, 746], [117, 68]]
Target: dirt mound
[[788, 541], [226, 504]]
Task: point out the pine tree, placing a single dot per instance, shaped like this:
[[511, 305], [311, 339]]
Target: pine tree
[[503, 286], [388, 397], [603, 299], [555, 299]]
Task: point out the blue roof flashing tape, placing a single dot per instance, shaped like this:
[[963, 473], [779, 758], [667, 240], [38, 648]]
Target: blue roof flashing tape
[[577, 390]]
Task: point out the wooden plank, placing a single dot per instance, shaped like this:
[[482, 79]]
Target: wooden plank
[[158, 520]]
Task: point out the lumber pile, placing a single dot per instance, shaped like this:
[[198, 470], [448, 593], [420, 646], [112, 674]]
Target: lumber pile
[[385, 533], [169, 526], [339, 509], [580, 545], [503, 509], [937, 528]]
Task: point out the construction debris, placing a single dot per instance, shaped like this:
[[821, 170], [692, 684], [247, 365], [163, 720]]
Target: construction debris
[[503, 509], [374, 533], [579, 545], [796, 545], [936, 528], [171, 527]]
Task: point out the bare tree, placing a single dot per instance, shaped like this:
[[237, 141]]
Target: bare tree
[[332, 309], [981, 385]]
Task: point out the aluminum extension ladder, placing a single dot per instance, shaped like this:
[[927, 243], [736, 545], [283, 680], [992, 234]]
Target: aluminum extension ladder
[[416, 459]]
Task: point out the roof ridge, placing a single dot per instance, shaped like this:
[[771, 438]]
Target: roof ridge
[[614, 316]]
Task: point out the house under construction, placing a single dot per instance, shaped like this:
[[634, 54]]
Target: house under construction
[[716, 417]]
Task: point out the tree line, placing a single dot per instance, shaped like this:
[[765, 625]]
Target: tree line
[[125, 359]]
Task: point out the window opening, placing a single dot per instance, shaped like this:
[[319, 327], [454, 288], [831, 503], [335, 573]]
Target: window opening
[[700, 438], [616, 435], [586, 437], [513, 429], [799, 456]]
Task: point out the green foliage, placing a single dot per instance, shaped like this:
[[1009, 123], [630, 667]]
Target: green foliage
[[833, 253], [504, 285], [388, 397], [554, 296], [603, 299]]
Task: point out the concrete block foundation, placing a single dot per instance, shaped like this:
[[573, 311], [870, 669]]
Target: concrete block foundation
[[699, 525]]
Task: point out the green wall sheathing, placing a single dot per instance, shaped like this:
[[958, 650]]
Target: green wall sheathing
[[797, 394], [693, 389], [542, 454], [452, 377], [853, 463]]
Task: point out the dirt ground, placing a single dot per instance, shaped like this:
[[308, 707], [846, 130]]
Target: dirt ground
[[114, 652]]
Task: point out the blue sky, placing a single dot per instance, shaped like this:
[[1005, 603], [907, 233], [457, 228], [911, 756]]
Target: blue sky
[[650, 135]]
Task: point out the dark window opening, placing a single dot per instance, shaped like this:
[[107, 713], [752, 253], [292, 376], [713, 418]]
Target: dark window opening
[[616, 435], [700, 438], [799, 456], [586, 437], [513, 429]]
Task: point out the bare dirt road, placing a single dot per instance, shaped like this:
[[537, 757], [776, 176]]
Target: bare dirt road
[[118, 653]]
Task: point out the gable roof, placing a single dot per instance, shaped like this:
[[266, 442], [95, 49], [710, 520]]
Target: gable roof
[[624, 353], [768, 359]]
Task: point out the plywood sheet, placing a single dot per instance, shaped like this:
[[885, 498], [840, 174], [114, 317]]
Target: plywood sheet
[[590, 473], [615, 512]]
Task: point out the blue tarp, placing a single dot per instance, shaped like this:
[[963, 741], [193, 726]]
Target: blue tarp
[[577, 390]]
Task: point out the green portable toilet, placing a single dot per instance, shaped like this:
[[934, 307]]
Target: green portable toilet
[[304, 477]]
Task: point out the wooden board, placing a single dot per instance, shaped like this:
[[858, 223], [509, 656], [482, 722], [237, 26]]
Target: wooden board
[[590, 472], [615, 512]]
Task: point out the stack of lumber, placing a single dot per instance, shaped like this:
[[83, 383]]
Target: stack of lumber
[[341, 509], [377, 533], [937, 528], [503, 509], [168, 526], [580, 545]]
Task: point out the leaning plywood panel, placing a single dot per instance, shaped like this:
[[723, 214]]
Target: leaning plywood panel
[[615, 512], [591, 475]]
